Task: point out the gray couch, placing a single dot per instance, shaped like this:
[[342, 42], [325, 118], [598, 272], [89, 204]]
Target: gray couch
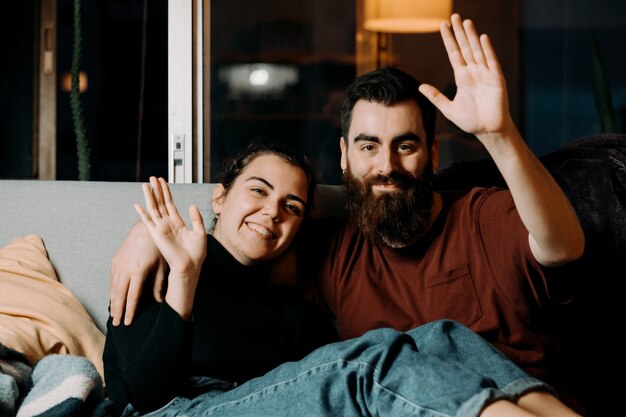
[[83, 223]]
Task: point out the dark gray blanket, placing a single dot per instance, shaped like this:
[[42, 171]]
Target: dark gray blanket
[[57, 386]]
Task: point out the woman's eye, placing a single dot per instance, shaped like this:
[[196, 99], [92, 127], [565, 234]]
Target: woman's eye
[[259, 191], [294, 209]]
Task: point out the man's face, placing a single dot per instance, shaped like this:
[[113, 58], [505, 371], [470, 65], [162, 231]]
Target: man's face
[[388, 172]]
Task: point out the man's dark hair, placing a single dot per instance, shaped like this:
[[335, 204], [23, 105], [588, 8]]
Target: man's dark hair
[[387, 86]]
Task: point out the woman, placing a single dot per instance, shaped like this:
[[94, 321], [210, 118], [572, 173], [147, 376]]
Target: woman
[[215, 344]]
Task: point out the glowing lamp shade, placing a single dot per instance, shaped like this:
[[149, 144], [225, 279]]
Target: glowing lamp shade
[[406, 16]]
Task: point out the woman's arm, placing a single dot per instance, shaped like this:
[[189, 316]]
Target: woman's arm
[[145, 359], [144, 363]]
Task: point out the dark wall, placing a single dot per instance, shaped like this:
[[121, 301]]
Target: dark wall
[[557, 79], [16, 89], [553, 99], [112, 53]]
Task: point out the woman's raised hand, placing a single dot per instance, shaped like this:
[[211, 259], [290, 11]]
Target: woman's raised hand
[[184, 249]]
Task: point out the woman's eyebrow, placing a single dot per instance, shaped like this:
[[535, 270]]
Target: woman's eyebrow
[[271, 187], [263, 180], [295, 197]]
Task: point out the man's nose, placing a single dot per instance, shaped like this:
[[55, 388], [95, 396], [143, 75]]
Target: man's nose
[[387, 162]]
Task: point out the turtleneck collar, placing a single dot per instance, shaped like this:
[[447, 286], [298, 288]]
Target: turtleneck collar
[[219, 259]]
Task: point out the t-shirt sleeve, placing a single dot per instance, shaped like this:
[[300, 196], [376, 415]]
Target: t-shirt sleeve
[[505, 241]]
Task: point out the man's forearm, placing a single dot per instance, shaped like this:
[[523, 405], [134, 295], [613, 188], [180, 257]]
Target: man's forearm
[[554, 229]]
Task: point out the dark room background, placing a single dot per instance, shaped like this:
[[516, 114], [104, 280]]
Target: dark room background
[[126, 123]]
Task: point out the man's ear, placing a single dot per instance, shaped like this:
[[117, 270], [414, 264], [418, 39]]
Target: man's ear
[[217, 199], [344, 153]]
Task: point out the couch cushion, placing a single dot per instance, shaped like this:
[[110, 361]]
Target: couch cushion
[[38, 315]]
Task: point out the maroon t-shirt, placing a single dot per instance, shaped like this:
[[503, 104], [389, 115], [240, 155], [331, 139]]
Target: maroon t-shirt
[[474, 266]]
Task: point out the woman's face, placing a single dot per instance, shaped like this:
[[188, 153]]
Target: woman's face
[[263, 210]]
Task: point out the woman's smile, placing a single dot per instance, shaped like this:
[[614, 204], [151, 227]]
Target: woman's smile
[[261, 230]]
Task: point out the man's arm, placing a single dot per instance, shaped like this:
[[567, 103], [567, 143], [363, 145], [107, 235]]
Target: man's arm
[[134, 260], [480, 107]]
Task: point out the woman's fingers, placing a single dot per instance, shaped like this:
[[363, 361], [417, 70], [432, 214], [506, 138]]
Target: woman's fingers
[[158, 199], [150, 201], [167, 198], [197, 222], [158, 196], [161, 211]]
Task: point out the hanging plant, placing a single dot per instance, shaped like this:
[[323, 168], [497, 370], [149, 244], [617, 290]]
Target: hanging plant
[[82, 145]]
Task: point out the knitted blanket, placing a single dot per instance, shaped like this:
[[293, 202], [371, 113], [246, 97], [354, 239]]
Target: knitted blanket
[[58, 385]]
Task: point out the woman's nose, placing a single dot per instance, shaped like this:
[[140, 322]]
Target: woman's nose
[[272, 209]]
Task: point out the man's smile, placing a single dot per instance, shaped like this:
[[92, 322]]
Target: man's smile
[[381, 188]]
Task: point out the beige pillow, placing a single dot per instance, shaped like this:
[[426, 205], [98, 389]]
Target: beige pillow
[[38, 315]]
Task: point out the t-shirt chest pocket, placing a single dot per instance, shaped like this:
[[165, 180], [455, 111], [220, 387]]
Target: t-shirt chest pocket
[[450, 295]]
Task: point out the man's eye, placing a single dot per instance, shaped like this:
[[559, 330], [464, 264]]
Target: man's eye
[[367, 148], [405, 147]]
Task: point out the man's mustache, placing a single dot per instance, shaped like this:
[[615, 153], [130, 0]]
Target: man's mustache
[[399, 180]]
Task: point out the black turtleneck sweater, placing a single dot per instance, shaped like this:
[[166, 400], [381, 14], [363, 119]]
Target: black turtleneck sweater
[[241, 327]]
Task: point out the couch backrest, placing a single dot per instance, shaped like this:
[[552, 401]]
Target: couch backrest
[[83, 223]]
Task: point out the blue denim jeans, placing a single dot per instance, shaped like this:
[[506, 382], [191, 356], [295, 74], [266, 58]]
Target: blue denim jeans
[[436, 370]]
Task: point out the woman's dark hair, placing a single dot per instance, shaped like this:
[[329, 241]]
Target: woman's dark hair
[[253, 151], [387, 86]]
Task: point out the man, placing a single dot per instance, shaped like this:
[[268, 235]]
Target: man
[[409, 254]]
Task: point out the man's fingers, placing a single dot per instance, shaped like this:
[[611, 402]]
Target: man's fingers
[[147, 220], [132, 299], [493, 63], [474, 42], [452, 48], [435, 96], [159, 281], [461, 38], [117, 298]]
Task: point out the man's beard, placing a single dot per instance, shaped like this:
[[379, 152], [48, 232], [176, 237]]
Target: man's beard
[[395, 218]]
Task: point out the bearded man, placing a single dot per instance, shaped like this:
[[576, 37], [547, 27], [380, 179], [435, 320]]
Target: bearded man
[[408, 254]]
